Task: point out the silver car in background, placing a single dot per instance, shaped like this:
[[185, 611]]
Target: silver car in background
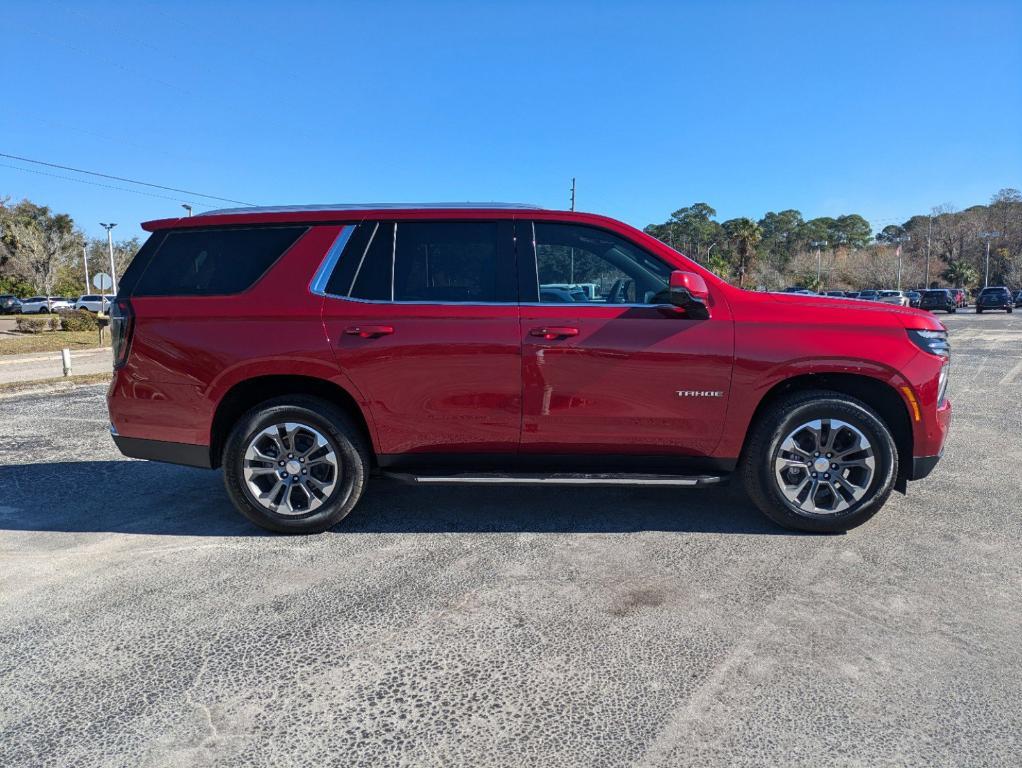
[[894, 297]]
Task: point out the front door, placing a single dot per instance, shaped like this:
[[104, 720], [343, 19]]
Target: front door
[[423, 319], [604, 369]]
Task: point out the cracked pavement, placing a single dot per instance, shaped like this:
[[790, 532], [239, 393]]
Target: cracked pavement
[[144, 623]]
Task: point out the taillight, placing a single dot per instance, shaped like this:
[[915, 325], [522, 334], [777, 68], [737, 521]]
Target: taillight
[[122, 323]]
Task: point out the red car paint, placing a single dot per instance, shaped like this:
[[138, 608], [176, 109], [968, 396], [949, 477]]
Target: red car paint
[[510, 379]]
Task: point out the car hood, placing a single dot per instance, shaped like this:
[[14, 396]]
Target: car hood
[[857, 310]]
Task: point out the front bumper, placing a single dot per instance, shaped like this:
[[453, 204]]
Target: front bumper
[[923, 466]]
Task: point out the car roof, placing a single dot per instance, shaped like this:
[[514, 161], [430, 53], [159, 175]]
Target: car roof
[[333, 212]]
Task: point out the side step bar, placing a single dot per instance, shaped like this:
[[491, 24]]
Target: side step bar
[[572, 478]]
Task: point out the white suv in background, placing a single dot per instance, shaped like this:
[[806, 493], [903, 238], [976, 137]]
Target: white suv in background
[[94, 302], [42, 305], [894, 297]]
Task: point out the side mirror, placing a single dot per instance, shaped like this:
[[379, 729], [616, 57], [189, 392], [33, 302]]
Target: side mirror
[[688, 291]]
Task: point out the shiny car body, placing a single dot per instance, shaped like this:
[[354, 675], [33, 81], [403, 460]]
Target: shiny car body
[[437, 381]]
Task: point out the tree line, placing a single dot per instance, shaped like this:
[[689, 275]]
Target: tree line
[[946, 247], [42, 253]]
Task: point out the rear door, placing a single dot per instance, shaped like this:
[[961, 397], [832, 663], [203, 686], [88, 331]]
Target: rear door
[[423, 319], [613, 372]]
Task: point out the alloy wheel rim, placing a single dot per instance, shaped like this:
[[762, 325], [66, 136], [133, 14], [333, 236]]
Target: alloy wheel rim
[[290, 468], [823, 467]]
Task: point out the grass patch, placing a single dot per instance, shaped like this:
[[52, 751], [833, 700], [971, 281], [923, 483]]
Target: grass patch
[[58, 384], [50, 341]]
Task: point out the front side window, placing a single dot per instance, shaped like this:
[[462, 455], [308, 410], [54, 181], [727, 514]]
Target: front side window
[[424, 262], [583, 265]]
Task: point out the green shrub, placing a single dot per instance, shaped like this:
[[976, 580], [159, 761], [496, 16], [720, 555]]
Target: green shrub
[[79, 320], [32, 324]]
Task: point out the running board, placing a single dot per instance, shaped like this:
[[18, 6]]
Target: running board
[[572, 478]]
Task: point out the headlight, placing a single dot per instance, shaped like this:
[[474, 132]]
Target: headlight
[[934, 342]]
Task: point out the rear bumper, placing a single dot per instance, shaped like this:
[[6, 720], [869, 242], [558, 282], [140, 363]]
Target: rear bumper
[[158, 450]]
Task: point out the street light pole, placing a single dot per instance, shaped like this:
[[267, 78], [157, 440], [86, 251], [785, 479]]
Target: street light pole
[[110, 245], [187, 208], [85, 258], [929, 231]]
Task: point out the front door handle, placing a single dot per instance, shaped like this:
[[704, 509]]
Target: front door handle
[[550, 333], [369, 331]]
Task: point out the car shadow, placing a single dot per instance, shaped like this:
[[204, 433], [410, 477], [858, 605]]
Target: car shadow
[[161, 499]]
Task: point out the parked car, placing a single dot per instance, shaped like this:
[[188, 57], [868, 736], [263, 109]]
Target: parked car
[[852, 295], [317, 344], [869, 295], [894, 297], [43, 305], [9, 304], [560, 294], [938, 299], [1018, 300], [836, 294], [961, 298], [994, 297], [94, 302], [913, 298]]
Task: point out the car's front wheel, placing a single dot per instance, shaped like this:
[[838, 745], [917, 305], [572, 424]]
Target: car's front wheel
[[819, 461], [295, 464]]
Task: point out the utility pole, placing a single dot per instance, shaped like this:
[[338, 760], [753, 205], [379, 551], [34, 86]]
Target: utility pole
[[989, 236], [110, 244], [929, 231], [573, 193], [85, 258], [819, 264]]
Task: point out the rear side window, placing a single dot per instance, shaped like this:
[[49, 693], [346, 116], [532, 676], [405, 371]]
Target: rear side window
[[426, 262], [213, 262]]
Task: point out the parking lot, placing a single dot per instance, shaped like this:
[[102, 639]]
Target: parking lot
[[144, 622]]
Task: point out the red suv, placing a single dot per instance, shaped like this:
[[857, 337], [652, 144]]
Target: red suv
[[302, 349]]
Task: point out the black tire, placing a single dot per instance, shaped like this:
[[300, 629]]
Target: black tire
[[1009, 310], [979, 311], [951, 311], [787, 414], [345, 439]]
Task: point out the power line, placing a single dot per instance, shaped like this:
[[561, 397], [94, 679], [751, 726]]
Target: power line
[[121, 178], [98, 184]]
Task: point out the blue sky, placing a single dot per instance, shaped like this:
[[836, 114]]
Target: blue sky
[[882, 109]]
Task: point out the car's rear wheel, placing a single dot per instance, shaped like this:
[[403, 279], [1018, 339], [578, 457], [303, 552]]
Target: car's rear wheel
[[979, 311], [819, 461], [295, 464]]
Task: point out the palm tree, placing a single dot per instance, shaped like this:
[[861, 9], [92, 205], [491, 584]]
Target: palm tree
[[960, 273], [744, 235]]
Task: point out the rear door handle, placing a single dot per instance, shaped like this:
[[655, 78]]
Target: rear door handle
[[550, 333], [369, 331]]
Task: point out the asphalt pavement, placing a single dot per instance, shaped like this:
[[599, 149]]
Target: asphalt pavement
[[144, 623]]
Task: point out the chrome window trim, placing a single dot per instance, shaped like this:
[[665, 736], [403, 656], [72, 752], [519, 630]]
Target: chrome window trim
[[579, 305], [333, 254], [362, 259]]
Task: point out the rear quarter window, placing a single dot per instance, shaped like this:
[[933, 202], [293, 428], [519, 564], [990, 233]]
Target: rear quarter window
[[213, 262]]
